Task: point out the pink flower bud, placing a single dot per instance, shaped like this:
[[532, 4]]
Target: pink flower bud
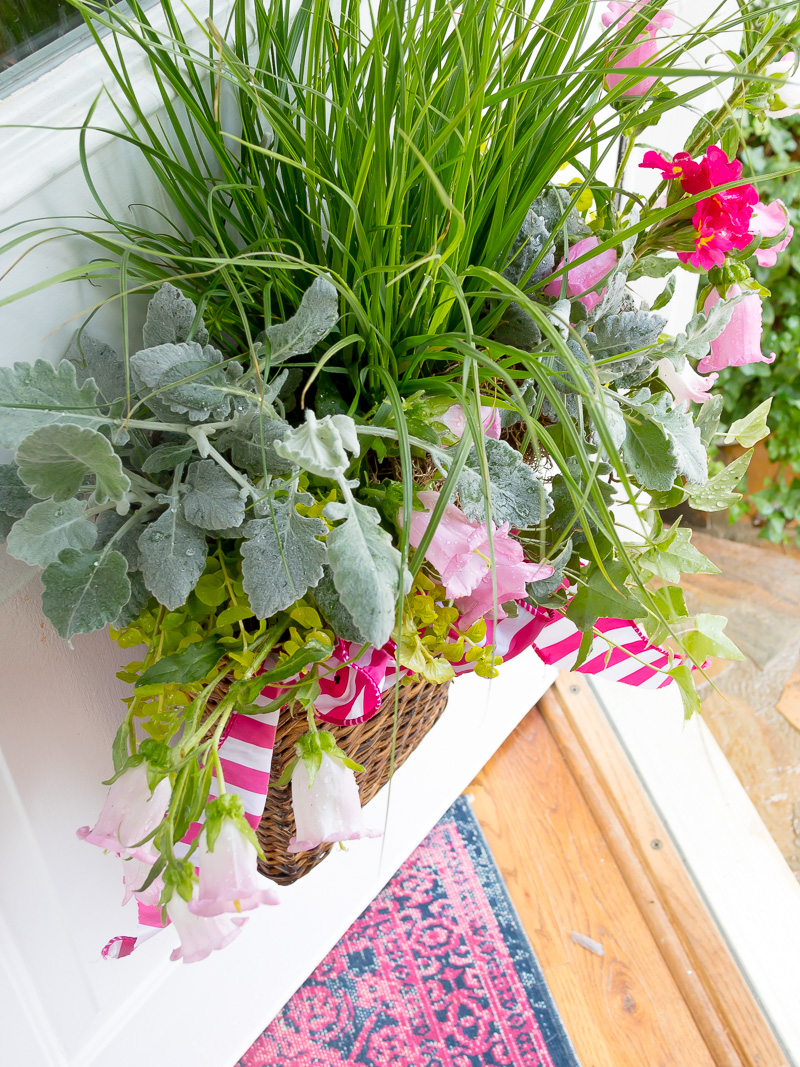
[[586, 275], [769, 220], [130, 813], [328, 810], [619, 14], [134, 874], [200, 936], [229, 879], [740, 341], [456, 421], [685, 385]]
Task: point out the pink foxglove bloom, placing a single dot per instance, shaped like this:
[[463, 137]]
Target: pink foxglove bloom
[[130, 813], [456, 421], [685, 385], [460, 553], [229, 879], [740, 341], [330, 809], [134, 875], [585, 276], [619, 14], [200, 936], [769, 220]]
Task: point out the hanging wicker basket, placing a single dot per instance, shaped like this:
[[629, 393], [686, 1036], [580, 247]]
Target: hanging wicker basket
[[369, 743]]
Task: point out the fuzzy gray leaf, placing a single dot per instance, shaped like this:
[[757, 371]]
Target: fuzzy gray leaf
[[15, 497], [518, 496], [614, 422], [251, 442], [282, 557], [321, 445], [54, 460], [517, 329], [173, 556], [47, 529], [97, 360], [648, 455], [137, 602], [314, 319], [685, 440], [529, 242], [108, 524], [84, 591], [38, 394], [212, 499], [167, 457], [338, 617], [170, 315], [551, 205], [366, 569], [700, 332], [165, 368], [630, 331], [545, 587]]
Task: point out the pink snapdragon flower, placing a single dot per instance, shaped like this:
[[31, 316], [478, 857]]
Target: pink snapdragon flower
[[586, 275], [456, 421], [228, 877], [460, 553], [685, 385], [131, 812], [200, 936], [329, 809], [619, 14], [740, 341], [134, 875], [769, 220]]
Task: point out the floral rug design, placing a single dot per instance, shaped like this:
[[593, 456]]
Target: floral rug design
[[437, 972]]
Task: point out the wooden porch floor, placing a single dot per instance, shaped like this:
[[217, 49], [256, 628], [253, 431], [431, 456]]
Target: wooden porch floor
[[583, 851]]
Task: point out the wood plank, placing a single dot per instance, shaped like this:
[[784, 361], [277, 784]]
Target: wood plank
[[622, 1009], [721, 1003]]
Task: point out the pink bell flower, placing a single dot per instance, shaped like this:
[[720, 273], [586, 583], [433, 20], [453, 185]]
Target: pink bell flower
[[647, 46], [585, 276], [134, 875], [200, 936], [228, 877], [329, 809], [456, 421], [130, 813], [769, 220], [460, 553], [685, 385], [740, 341]]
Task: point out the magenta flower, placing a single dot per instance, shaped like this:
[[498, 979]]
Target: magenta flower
[[134, 875], [770, 220], [685, 385], [130, 813], [329, 809], [740, 341], [587, 275], [460, 553], [619, 14], [456, 421], [200, 936], [228, 877]]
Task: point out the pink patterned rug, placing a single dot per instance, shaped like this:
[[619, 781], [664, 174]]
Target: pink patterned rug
[[437, 972]]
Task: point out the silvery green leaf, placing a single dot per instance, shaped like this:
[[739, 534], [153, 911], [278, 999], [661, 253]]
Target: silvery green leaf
[[167, 457], [528, 392], [551, 205], [719, 492], [529, 242], [47, 529], [612, 297], [320, 445], [15, 498], [314, 319], [54, 460], [614, 422], [572, 403], [700, 332], [282, 557], [164, 370], [625, 261], [517, 329], [39, 394], [173, 556], [336, 614], [366, 569], [746, 432], [666, 293], [559, 316], [136, 604], [109, 523], [212, 499], [564, 378], [517, 495], [707, 421], [84, 591], [97, 360], [6, 523], [684, 438], [545, 587], [629, 331], [170, 315], [251, 442]]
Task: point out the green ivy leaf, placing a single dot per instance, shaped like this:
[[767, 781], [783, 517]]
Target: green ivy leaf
[[282, 558], [684, 677], [718, 492], [84, 591], [212, 500], [707, 639], [54, 460], [47, 529], [517, 495], [313, 651], [366, 569], [752, 428], [173, 556], [191, 665], [677, 556], [707, 422], [39, 394], [599, 598], [316, 316], [666, 293]]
